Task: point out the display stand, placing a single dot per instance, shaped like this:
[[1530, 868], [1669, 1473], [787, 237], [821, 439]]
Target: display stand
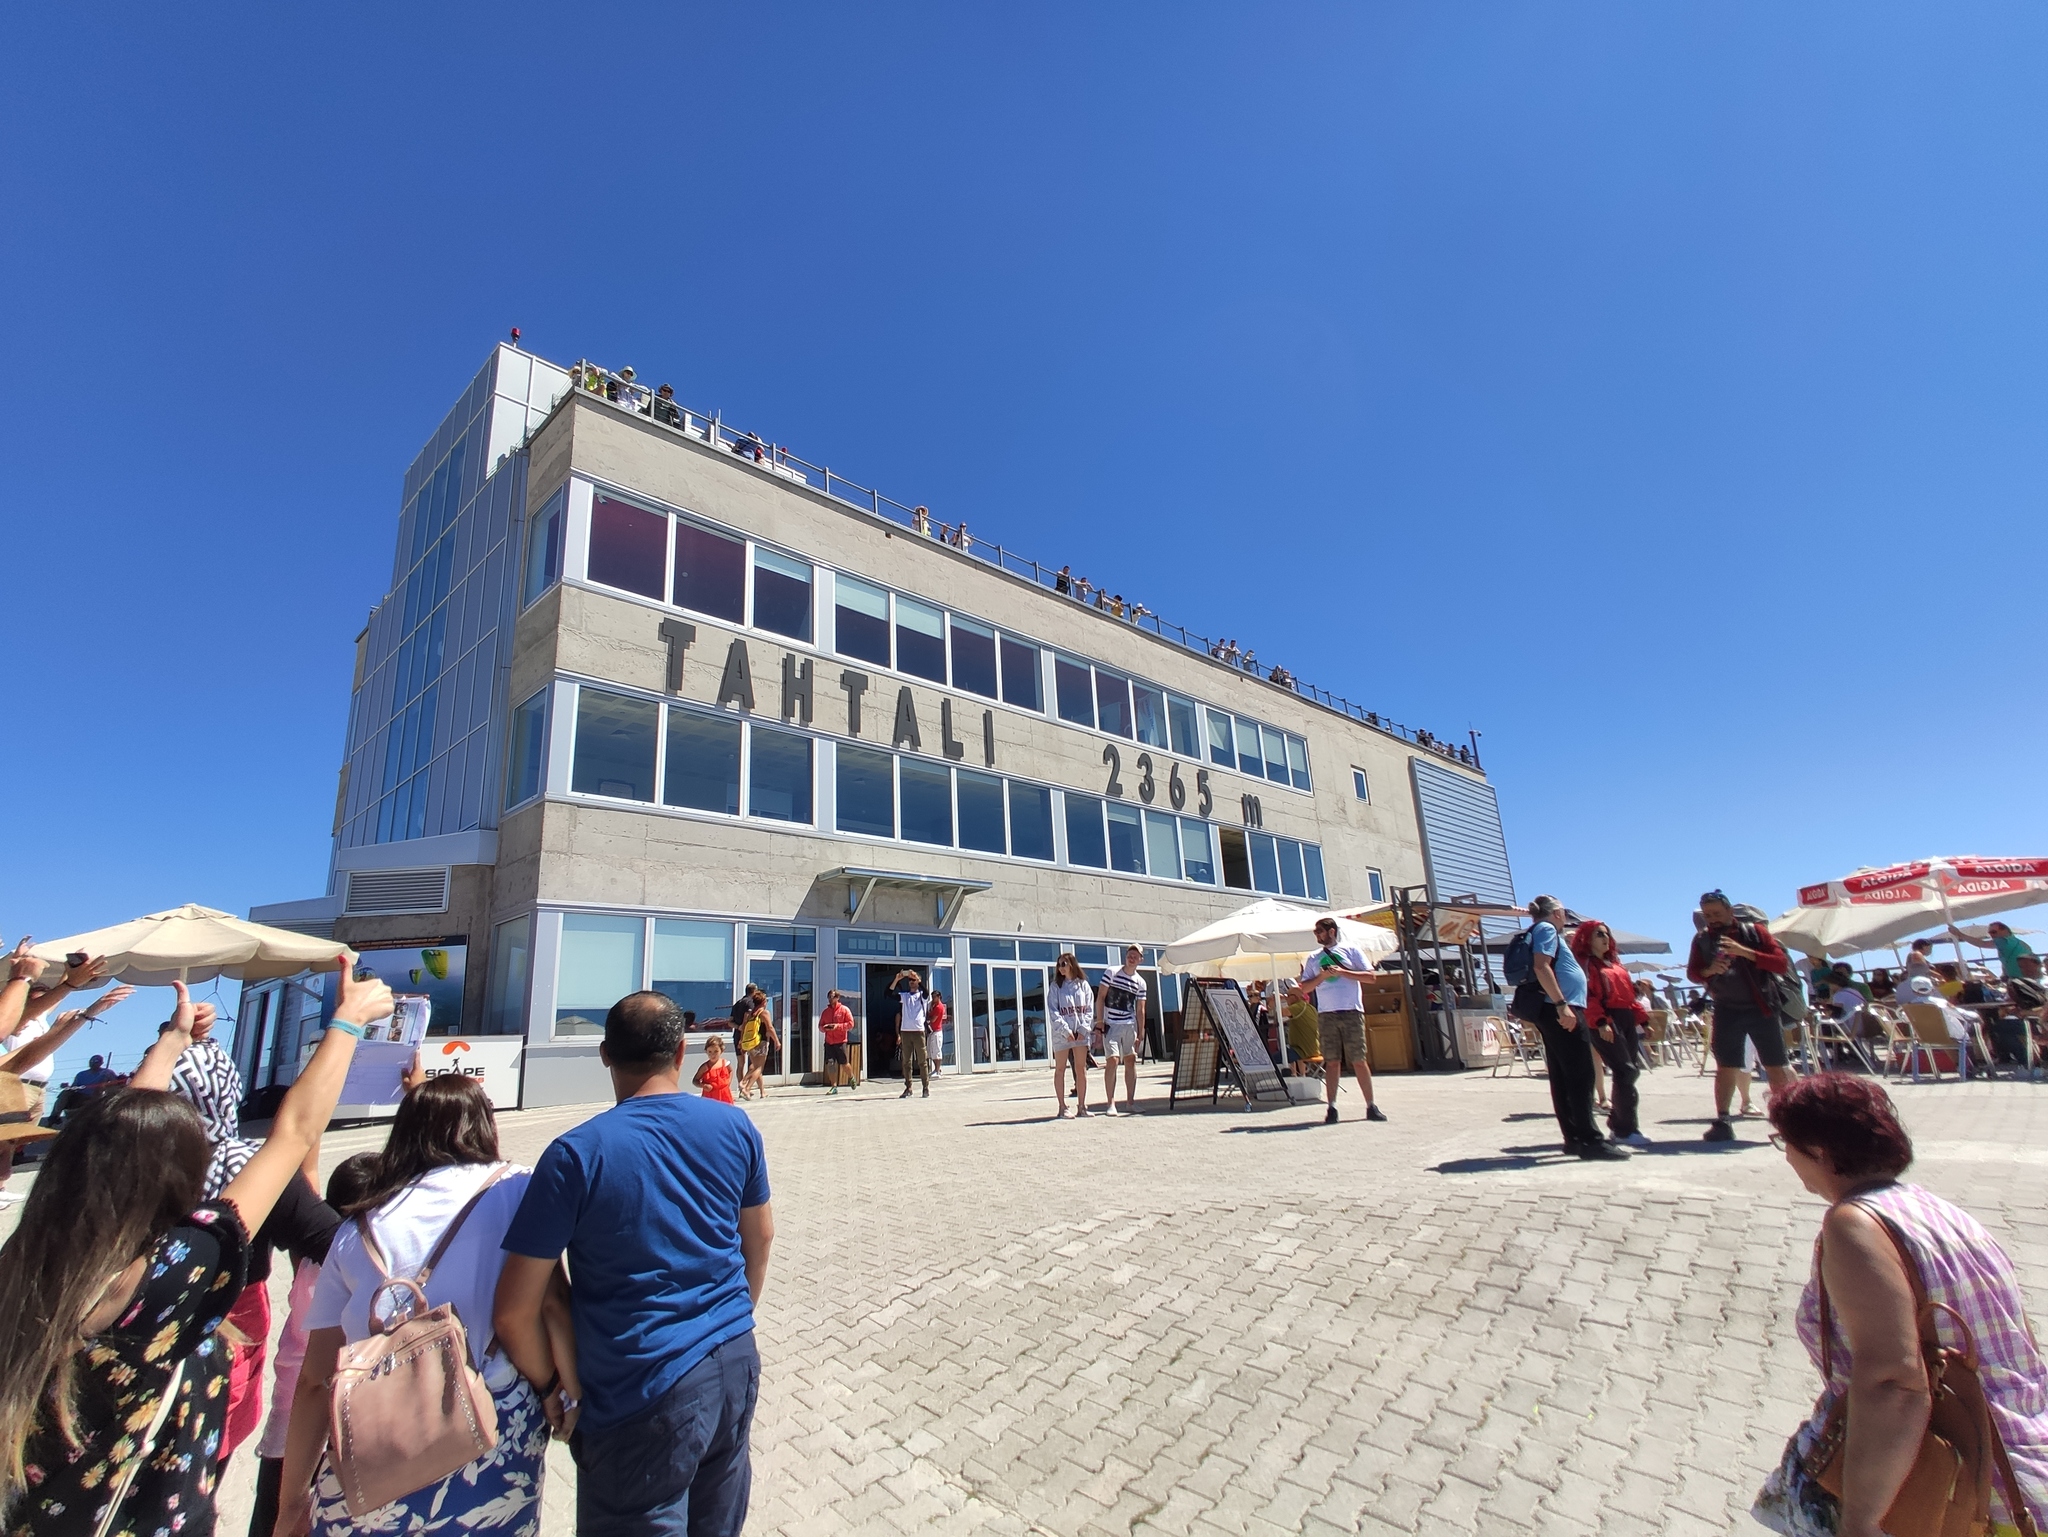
[[1218, 1035]]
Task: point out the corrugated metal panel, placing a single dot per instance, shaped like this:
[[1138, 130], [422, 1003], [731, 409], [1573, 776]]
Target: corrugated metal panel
[[1463, 847]]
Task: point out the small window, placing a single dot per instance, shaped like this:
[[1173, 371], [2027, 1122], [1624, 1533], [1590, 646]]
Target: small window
[[974, 657], [852, 942], [1020, 674], [1359, 787], [1197, 858], [779, 775], [703, 772], [1075, 689], [927, 802], [927, 947], [1265, 861], [782, 594], [1276, 756], [1047, 950], [1085, 845], [1112, 702], [628, 547], [1312, 863], [1148, 711], [866, 792], [1293, 882], [614, 745], [544, 548], [1297, 762], [1375, 885], [981, 812], [1030, 820], [528, 750], [1126, 839], [1251, 754], [862, 614], [1221, 748], [1180, 718], [1092, 955], [778, 940], [1162, 844], [1237, 859], [711, 572], [920, 640], [992, 949]]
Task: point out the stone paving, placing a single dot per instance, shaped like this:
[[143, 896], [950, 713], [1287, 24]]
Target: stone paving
[[1225, 1322]]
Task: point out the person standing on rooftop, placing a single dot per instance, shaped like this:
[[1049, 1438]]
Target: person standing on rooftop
[[1063, 584]]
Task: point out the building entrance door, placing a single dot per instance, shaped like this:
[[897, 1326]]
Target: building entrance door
[[879, 1032], [789, 985], [1009, 1013]]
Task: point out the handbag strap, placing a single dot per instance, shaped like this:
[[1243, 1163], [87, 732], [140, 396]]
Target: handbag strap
[[1930, 1345], [143, 1451], [440, 1247]]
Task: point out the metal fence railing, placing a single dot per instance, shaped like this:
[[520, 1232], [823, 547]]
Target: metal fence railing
[[710, 429]]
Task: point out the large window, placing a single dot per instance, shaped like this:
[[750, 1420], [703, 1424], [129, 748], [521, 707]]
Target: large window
[[1020, 674], [861, 612], [628, 547], [544, 547], [779, 775], [614, 745], [1196, 853], [927, 802], [1180, 715], [920, 639], [981, 811], [1265, 862], [1297, 762], [782, 594], [599, 965], [1162, 846], [505, 997], [711, 572], [1074, 689], [1222, 749], [1292, 881], [1237, 858], [693, 965], [1112, 702], [1126, 839], [1251, 758], [1085, 844], [866, 792], [1030, 820], [1148, 712], [1276, 756], [974, 657], [703, 771], [1312, 863], [526, 751]]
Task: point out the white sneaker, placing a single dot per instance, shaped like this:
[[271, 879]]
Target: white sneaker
[[1112, 1108], [9, 1198], [1636, 1139]]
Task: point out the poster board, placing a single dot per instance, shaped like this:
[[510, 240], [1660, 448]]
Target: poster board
[[1222, 1003], [1194, 1062]]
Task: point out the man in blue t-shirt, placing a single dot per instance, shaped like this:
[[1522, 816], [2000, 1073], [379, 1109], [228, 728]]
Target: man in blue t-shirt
[[1567, 1045], [661, 1204]]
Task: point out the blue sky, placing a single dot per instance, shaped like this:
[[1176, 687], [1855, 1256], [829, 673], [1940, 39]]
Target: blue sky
[[1656, 389]]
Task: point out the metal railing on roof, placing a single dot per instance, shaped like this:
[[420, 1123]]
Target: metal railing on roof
[[590, 380]]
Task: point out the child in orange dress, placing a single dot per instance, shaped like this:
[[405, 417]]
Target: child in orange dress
[[715, 1076]]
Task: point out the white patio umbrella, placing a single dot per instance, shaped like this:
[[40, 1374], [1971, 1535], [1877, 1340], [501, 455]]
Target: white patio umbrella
[[193, 944], [1873, 907], [1269, 939]]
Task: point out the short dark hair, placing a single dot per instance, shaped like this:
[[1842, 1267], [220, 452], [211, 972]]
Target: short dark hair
[[643, 1030], [97, 1061], [1848, 1119], [351, 1180]]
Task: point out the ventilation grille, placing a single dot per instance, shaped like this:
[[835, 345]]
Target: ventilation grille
[[397, 891], [312, 928]]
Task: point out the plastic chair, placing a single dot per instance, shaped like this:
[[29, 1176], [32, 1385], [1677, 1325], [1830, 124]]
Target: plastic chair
[[1526, 1047], [1929, 1037]]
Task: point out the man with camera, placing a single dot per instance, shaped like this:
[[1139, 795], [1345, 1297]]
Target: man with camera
[[1745, 970], [1330, 978]]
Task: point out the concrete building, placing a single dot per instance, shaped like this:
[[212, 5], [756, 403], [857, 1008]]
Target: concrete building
[[651, 704]]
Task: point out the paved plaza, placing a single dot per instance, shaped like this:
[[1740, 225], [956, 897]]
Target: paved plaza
[[1205, 1322]]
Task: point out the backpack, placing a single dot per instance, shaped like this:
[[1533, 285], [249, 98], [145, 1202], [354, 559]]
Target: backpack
[[406, 1407], [1519, 963]]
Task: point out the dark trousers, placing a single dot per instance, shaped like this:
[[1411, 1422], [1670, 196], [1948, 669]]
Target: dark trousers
[[269, 1484], [1568, 1057], [681, 1469], [1620, 1056]]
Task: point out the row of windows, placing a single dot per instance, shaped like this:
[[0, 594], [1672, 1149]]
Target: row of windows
[[676, 561], [634, 749]]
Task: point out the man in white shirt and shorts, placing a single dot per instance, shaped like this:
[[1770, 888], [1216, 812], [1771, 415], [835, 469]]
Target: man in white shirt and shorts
[[1119, 1005], [1330, 976]]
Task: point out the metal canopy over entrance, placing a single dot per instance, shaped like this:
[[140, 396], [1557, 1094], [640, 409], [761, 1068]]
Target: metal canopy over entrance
[[947, 893]]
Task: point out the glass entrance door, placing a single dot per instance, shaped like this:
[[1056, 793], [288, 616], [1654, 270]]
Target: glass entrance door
[[789, 985], [1009, 1013]]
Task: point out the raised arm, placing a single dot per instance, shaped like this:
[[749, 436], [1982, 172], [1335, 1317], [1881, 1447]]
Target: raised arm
[[22, 969], [66, 1026], [310, 1100]]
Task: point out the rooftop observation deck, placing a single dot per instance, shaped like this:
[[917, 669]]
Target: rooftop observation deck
[[624, 392]]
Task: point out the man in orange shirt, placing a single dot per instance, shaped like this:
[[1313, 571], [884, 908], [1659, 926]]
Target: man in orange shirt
[[835, 1022]]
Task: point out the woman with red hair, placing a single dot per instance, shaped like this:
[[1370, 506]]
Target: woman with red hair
[[1614, 1016], [1883, 1245]]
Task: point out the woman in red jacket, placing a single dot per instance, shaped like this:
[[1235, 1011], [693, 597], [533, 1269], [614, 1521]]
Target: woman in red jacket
[[1614, 1016]]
